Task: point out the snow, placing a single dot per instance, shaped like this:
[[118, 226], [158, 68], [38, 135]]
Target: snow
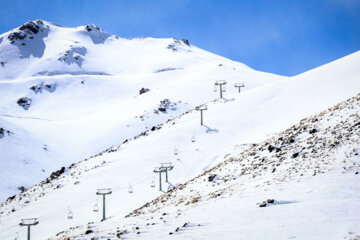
[[95, 103], [89, 112]]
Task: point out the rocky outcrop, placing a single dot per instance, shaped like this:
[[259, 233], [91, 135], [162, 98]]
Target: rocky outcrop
[[24, 102]]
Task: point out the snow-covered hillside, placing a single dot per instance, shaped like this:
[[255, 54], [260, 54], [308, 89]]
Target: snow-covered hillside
[[94, 108], [69, 93], [299, 184]]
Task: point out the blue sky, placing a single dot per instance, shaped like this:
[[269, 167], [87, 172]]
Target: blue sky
[[286, 37]]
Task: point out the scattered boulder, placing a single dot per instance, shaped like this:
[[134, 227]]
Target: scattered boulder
[[11, 198], [50, 87], [212, 177], [271, 148], [24, 102], [22, 189], [267, 203], [262, 204], [88, 231], [313, 131], [164, 104], [143, 90], [36, 88]]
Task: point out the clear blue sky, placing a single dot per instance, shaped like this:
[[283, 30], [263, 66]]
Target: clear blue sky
[[286, 37]]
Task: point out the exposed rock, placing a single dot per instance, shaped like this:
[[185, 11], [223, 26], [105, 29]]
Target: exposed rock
[[57, 173], [186, 41], [24, 102], [313, 131], [91, 27], [16, 36], [212, 177], [164, 105], [143, 90], [31, 27]]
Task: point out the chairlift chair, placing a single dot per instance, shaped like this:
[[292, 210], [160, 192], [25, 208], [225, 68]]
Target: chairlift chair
[[130, 190], [176, 152], [193, 139], [215, 88], [224, 88], [96, 207], [152, 183], [70, 214]]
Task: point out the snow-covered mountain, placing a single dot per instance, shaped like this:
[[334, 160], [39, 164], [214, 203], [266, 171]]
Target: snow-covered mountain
[[87, 102], [299, 184], [69, 93]]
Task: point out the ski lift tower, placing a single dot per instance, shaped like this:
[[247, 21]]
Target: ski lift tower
[[239, 86], [29, 222], [104, 192], [201, 109], [168, 166], [220, 83], [159, 170]]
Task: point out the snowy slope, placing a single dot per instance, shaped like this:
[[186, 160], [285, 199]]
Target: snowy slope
[[79, 93], [232, 124], [307, 176]]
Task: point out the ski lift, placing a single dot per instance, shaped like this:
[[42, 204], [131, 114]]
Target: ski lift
[[96, 207], [193, 139], [130, 190], [70, 214], [152, 183], [176, 152], [215, 88]]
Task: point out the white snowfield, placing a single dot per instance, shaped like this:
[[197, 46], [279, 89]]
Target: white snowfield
[[84, 91], [92, 102]]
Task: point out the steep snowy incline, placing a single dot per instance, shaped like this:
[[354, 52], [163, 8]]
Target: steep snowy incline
[[77, 91], [301, 183], [231, 125]]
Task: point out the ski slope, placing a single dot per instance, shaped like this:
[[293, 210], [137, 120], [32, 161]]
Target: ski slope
[[266, 107], [84, 84]]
